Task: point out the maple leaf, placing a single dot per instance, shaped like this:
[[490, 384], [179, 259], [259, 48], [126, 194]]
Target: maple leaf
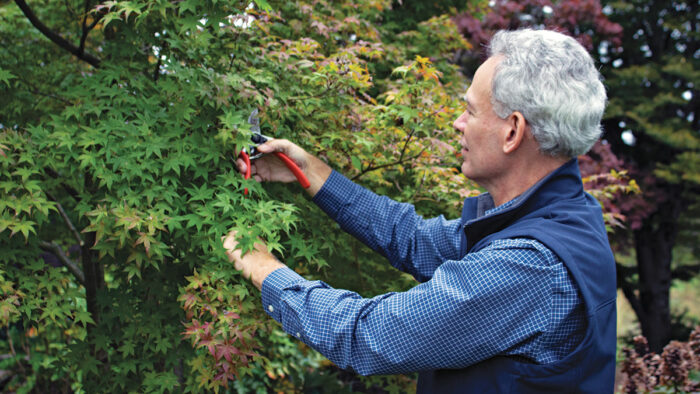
[[229, 316], [226, 349], [146, 240], [189, 300]]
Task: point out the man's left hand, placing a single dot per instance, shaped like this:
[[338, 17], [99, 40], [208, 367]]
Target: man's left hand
[[256, 264]]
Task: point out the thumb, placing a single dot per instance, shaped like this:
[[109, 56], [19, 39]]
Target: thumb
[[274, 145]]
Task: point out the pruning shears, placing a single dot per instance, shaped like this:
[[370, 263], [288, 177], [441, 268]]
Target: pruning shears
[[252, 153]]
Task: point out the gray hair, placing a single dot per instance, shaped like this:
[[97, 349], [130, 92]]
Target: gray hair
[[551, 79]]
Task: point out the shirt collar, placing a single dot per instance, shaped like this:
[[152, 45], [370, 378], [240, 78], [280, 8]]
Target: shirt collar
[[479, 217], [485, 205]]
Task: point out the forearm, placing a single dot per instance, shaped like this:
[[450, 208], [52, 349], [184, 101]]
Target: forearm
[[317, 174]]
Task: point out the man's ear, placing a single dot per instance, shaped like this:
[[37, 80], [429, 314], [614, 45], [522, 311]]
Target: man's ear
[[516, 126]]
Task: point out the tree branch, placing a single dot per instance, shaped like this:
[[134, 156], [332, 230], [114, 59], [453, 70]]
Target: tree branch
[[400, 161], [66, 219], [83, 37], [628, 290], [73, 193], [33, 89], [86, 28], [405, 145], [685, 272], [317, 95], [56, 38], [420, 185], [156, 72], [12, 349], [329, 86], [70, 9], [403, 149], [68, 263]]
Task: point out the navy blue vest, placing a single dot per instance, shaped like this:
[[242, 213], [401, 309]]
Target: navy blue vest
[[559, 214]]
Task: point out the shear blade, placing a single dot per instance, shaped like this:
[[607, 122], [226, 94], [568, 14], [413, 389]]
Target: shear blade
[[254, 121]]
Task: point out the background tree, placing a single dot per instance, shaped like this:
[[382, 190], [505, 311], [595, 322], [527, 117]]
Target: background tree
[[649, 53], [652, 123]]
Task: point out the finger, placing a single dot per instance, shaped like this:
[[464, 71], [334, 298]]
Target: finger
[[230, 239], [241, 166], [274, 145]]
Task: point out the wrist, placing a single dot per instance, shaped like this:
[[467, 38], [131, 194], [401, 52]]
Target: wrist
[[266, 264], [318, 174]]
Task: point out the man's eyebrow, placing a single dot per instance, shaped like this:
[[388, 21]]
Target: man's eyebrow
[[469, 104]]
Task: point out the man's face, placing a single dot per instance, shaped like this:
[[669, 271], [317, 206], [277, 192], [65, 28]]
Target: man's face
[[480, 128]]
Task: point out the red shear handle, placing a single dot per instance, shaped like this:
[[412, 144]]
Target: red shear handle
[[246, 160], [294, 168]]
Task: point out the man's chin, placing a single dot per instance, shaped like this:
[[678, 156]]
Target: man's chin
[[465, 169], [469, 173]]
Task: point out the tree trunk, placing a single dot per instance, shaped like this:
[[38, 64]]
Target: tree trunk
[[94, 277], [654, 243]]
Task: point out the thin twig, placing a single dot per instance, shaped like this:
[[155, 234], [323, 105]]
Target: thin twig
[[70, 9], [328, 88], [420, 185], [35, 90], [369, 169], [628, 289], [32, 88], [12, 349], [319, 95], [156, 72], [67, 220], [405, 145], [403, 149], [68, 263], [73, 193], [85, 29], [55, 37]]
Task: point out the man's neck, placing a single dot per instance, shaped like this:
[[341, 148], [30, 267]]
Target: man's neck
[[520, 177]]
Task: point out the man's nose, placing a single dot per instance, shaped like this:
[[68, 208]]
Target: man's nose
[[458, 124]]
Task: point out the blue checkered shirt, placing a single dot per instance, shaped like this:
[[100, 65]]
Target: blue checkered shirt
[[513, 297]]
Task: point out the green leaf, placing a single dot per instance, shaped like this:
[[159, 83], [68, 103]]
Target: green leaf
[[163, 344], [263, 5], [6, 76], [102, 341], [83, 317], [356, 162], [160, 382], [24, 227], [401, 70], [188, 5]]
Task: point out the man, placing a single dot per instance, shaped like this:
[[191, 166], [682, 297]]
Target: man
[[518, 295]]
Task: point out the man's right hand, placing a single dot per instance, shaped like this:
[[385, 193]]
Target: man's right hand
[[270, 168]]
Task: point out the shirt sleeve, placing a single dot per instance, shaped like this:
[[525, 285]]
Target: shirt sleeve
[[488, 303], [410, 243]]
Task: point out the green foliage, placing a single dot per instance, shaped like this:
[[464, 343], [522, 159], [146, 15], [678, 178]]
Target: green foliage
[[653, 87], [128, 170], [652, 82], [408, 15]]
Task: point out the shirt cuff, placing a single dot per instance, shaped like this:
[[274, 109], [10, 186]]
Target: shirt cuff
[[335, 193], [272, 288]]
